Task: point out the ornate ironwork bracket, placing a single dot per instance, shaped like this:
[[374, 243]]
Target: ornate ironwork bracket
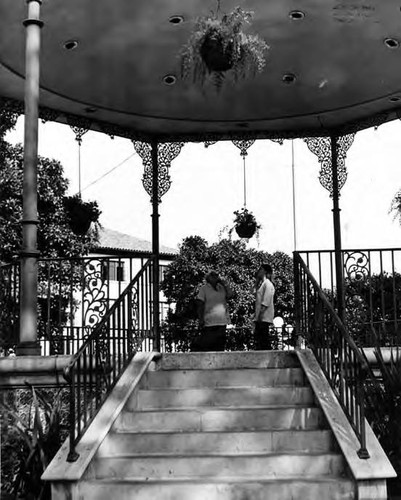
[[167, 152], [242, 143], [243, 146], [321, 147], [48, 114], [79, 127]]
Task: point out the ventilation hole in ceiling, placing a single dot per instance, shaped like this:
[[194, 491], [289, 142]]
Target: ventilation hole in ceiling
[[391, 43], [395, 98], [296, 15], [70, 44], [243, 124], [176, 20], [90, 110], [289, 78], [169, 79]]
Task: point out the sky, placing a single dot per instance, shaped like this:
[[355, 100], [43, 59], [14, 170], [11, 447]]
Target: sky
[[207, 186]]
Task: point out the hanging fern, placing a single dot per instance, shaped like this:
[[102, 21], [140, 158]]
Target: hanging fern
[[220, 46]]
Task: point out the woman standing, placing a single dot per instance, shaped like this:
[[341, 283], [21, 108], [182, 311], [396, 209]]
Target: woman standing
[[212, 313]]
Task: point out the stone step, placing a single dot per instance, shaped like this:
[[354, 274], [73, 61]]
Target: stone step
[[238, 489], [246, 396], [187, 443], [251, 377], [204, 466], [227, 360], [221, 419]]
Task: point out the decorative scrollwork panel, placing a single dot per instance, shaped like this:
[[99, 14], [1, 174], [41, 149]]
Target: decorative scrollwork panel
[[357, 273], [94, 294], [243, 146], [356, 265], [79, 126], [321, 147], [166, 153]]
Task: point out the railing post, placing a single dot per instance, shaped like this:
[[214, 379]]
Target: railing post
[[297, 300], [337, 231], [155, 247], [363, 451], [72, 454]]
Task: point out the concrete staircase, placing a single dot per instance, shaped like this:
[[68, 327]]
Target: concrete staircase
[[226, 426]]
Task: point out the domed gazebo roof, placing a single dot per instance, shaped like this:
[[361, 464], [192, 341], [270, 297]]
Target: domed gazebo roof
[[344, 56]]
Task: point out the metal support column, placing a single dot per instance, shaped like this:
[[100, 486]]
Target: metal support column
[[29, 254], [155, 246], [337, 229]]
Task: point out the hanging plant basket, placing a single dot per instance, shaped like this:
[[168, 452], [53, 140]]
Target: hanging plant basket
[[216, 55], [81, 214], [245, 223], [219, 46]]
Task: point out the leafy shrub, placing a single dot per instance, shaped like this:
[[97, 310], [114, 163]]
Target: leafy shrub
[[33, 429]]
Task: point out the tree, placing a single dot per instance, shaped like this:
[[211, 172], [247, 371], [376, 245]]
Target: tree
[[373, 308], [238, 265], [55, 239]]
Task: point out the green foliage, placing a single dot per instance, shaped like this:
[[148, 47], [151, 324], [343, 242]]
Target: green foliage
[[373, 300], [8, 117], [383, 408], [81, 213], [55, 238], [244, 53], [32, 433], [238, 266]]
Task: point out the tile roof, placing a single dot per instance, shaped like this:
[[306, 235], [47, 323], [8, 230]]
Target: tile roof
[[114, 240]]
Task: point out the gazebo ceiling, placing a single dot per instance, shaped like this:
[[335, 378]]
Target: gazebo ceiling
[[345, 71]]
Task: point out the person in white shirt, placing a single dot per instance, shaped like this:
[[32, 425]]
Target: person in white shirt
[[264, 307], [212, 313]]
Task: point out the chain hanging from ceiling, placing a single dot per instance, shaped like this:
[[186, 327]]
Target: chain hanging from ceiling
[[321, 147], [166, 153]]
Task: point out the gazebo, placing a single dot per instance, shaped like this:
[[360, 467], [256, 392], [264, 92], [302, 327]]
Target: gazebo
[[114, 67]]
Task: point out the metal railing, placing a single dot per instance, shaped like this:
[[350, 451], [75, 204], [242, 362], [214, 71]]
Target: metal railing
[[338, 355], [372, 289], [94, 370], [9, 305], [73, 296]]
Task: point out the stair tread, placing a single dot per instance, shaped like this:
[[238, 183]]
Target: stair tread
[[223, 479], [201, 409], [183, 433], [250, 454], [227, 388]]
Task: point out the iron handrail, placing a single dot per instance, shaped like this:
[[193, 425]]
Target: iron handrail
[[106, 352], [337, 353]]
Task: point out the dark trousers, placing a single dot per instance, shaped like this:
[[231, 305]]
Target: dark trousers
[[261, 336], [212, 338]]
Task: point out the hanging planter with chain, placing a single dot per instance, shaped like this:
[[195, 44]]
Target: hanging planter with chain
[[219, 45], [245, 223], [81, 213]]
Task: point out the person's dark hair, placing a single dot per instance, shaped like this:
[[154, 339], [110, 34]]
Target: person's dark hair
[[267, 268]]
